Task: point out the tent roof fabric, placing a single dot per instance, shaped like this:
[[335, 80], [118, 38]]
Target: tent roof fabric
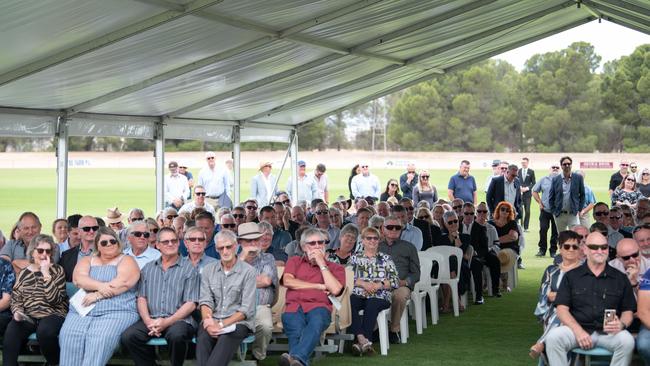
[[273, 62]]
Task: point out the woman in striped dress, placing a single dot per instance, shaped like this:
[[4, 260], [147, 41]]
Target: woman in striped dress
[[109, 278]]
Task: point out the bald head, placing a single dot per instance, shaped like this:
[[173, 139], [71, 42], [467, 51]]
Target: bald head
[[626, 247], [596, 238]]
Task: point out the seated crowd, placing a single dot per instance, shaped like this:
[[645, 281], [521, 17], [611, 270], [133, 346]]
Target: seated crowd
[[193, 277]]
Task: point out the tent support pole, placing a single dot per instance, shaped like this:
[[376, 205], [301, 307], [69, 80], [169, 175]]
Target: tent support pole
[[236, 163], [159, 155], [294, 168], [61, 167]]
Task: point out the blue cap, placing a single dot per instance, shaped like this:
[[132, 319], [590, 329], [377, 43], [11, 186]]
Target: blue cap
[[302, 163]]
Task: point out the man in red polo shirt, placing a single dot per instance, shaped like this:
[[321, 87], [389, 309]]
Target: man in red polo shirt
[[309, 280]]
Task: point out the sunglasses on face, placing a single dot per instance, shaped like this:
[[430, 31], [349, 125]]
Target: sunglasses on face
[[139, 234], [615, 217], [452, 222], [482, 211], [601, 213], [251, 208], [624, 164], [570, 247], [630, 180], [313, 243], [108, 242], [194, 239], [645, 173], [372, 238], [410, 208], [49, 251], [633, 166], [425, 217], [504, 169], [627, 257], [393, 227], [199, 193], [595, 247], [229, 226], [364, 166], [457, 207], [137, 219], [468, 213], [555, 167], [424, 176], [238, 216], [154, 231], [225, 247], [210, 158], [322, 213], [89, 228], [171, 217], [286, 202], [566, 164], [168, 242], [393, 185]]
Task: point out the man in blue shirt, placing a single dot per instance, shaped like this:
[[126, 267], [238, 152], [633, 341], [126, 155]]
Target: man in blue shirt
[[462, 185]]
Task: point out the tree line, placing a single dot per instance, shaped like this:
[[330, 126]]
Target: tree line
[[558, 102]]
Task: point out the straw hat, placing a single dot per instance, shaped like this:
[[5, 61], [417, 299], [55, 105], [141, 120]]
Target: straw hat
[[508, 258], [248, 231], [113, 215], [265, 163]]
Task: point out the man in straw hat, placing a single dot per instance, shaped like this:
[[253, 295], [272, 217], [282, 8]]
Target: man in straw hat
[[263, 185], [114, 219], [267, 283]]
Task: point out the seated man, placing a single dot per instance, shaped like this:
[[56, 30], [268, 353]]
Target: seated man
[[14, 251], [406, 260], [227, 304], [308, 279], [630, 262], [584, 295], [267, 282], [195, 241], [138, 240], [167, 294], [199, 201]]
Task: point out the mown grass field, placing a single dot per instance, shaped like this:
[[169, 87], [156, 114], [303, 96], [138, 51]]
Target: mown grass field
[[497, 333]]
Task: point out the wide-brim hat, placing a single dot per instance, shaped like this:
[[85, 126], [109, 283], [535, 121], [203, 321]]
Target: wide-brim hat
[[113, 216], [248, 231], [265, 163], [508, 258]]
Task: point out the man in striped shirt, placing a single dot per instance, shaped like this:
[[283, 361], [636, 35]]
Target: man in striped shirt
[[167, 295]]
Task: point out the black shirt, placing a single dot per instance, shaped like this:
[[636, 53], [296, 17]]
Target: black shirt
[[587, 296], [615, 180]]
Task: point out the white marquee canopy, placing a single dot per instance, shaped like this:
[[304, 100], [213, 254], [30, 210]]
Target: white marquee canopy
[[245, 70]]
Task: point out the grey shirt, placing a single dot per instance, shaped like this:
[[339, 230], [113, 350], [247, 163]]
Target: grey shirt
[[166, 291], [566, 194], [406, 260], [16, 249], [544, 186], [229, 293], [265, 264], [509, 191]]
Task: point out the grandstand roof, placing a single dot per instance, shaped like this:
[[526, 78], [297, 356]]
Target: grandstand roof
[[251, 63]]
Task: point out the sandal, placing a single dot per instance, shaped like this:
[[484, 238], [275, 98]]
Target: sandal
[[357, 349], [368, 349]]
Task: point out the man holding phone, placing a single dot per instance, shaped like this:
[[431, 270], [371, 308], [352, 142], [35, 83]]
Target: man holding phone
[[595, 303]]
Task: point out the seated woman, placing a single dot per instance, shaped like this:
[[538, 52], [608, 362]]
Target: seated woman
[[336, 217], [627, 192], [375, 277], [451, 236], [348, 238], [392, 190], [7, 281], [109, 278], [569, 244], [508, 231], [39, 303]]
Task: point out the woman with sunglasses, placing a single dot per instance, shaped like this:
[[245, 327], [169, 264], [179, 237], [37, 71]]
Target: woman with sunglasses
[[569, 243], [451, 237], [336, 217], [153, 228], [424, 190], [644, 183], [375, 277], [108, 277], [508, 231], [626, 192], [629, 221], [392, 190], [39, 303]]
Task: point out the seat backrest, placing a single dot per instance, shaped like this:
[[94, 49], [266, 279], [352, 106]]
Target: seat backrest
[[444, 272], [278, 306], [426, 263], [345, 314]]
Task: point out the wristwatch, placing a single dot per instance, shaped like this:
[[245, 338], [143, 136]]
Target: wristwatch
[[324, 268]]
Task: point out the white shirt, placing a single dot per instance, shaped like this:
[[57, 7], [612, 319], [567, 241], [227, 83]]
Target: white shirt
[[176, 186], [190, 206], [215, 181], [365, 185], [321, 186], [149, 254], [269, 188], [307, 189]]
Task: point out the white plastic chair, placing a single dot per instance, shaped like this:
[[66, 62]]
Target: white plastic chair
[[420, 291], [444, 272], [487, 278], [382, 326]]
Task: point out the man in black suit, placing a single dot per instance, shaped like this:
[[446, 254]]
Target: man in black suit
[[527, 179], [88, 227], [505, 188], [479, 241]]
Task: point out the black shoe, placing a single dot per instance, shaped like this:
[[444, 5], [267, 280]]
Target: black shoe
[[393, 338], [540, 254], [479, 301]]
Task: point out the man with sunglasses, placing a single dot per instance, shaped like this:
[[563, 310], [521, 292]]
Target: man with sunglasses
[[482, 255], [567, 196], [546, 218], [167, 295], [250, 206], [409, 232], [582, 298], [195, 241], [199, 201], [215, 182], [630, 261], [616, 178], [505, 188], [365, 184], [602, 215], [88, 227], [408, 181], [309, 280], [407, 264], [267, 282], [138, 240], [323, 222], [431, 234]]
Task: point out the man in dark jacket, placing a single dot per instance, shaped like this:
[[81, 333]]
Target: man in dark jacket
[[505, 188], [567, 196]]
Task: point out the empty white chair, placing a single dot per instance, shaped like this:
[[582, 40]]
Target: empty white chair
[[382, 326], [423, 288], [444, 272]]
